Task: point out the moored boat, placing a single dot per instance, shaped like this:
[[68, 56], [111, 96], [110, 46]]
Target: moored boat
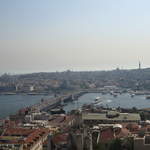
[[132, 95]]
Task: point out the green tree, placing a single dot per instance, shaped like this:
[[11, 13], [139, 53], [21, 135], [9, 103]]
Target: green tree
[[115, 145], [127, 143], [142, 115], [99, 146]]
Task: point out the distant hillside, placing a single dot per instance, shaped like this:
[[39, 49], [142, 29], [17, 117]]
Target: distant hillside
[[134, 78], [136, 74]]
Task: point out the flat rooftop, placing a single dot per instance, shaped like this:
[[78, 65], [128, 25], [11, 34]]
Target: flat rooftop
[[103, 116]]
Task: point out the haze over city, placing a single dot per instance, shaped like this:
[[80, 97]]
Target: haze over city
[[50, 35], [74, 75]]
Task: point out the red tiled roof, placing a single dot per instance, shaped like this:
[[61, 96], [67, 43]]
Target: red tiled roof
[[61, 138], [38, 133], [31, 135], [57, 120], [106, 135], [18, 132], [9, 123], [123, 133], [132, 127], [4, 139]]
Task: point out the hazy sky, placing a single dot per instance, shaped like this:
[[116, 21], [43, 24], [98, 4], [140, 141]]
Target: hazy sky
[[50, 35]]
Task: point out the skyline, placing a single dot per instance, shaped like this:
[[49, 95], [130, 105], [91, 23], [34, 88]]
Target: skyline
[[139, 66], [46, 36]]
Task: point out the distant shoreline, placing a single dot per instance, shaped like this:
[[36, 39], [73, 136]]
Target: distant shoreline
[[13, 93]]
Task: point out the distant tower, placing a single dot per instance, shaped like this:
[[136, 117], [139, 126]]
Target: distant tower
[[139, 65]]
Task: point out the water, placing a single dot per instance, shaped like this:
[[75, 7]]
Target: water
[[10, 104], [123, 100]]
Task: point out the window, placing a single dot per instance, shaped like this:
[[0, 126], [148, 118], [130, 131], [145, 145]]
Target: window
[[147, 139]]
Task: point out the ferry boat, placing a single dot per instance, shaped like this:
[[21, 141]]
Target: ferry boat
[[57, 111], [97, 100]]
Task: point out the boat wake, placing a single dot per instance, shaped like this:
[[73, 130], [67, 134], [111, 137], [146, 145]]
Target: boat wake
[[109, 100]]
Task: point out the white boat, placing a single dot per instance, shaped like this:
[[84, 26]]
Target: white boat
[[132, 95], [97, 100]]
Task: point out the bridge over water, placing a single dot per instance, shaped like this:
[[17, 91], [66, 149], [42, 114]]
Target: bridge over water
[[51, 103]]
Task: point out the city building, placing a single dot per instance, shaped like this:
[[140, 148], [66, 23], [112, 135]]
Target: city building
[[23, 139], [109, 117]]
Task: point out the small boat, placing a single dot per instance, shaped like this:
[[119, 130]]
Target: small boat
[[115, 94], [97, 98], [132, 95]]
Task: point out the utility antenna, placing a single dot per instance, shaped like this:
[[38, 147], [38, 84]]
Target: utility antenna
[[139, 65]]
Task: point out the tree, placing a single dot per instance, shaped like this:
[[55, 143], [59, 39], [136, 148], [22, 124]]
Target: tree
[[142, 115], [115, 144], [128, 143], [99, 146]]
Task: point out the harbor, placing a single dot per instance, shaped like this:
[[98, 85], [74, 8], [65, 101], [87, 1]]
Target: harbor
[[70, 101]]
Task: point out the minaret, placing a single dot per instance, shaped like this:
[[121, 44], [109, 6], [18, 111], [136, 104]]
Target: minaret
[[139, 65]]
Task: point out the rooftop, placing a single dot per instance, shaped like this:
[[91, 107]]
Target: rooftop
[[106, 135], [18, 132], [21, 135], [61, 138], [103, 116]]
